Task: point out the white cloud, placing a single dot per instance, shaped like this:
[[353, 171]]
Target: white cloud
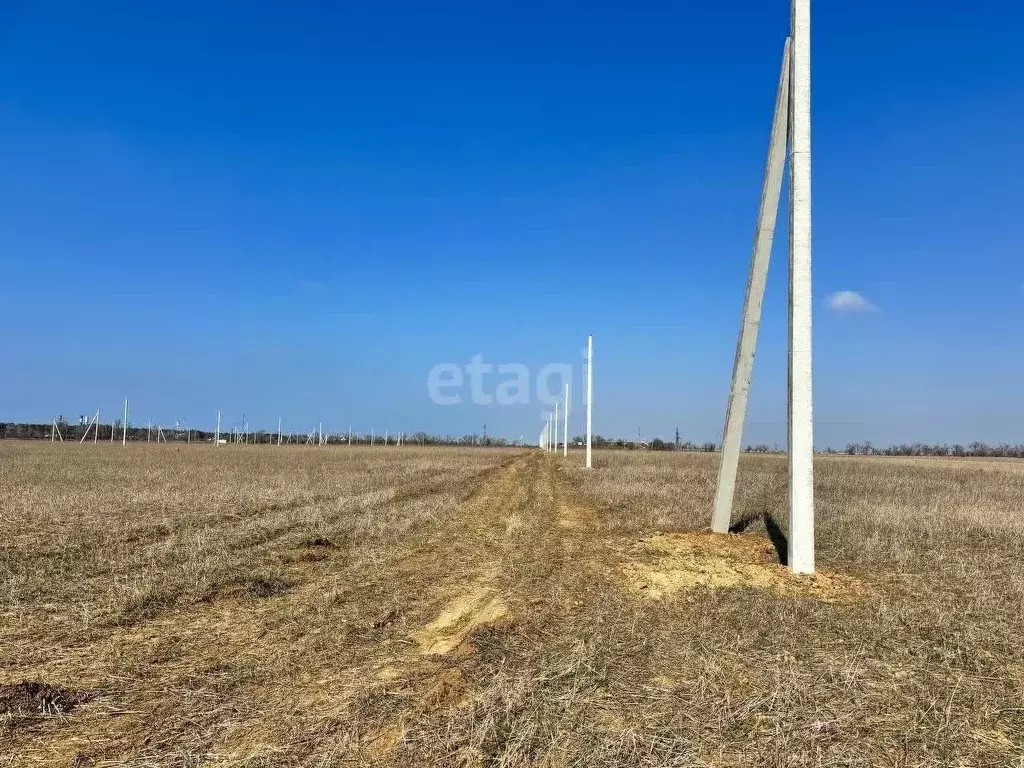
[[849, 301]]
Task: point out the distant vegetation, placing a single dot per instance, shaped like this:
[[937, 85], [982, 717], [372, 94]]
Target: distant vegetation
[[136, 434], [1002, 450]]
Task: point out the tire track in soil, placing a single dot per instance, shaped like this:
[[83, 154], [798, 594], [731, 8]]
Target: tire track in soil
[[522, 536], [465, 563], [446, 585]]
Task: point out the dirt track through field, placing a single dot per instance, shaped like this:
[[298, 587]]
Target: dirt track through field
[[522, 523]]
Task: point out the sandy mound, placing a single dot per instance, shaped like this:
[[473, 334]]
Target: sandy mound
[[661, 565], [461, 616]]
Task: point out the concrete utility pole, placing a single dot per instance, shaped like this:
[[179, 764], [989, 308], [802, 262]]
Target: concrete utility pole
[[554, 446], [801, 416], [565, 428], [792, 117], [743, 364], [590, 395]]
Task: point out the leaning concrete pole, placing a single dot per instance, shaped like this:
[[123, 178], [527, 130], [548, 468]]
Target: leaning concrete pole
[[801, 424], [743, 364]]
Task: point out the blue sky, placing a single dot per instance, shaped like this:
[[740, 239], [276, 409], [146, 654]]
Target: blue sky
[[297, 209]]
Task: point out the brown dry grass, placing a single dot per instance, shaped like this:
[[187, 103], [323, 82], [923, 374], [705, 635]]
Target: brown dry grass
[[254, 607]]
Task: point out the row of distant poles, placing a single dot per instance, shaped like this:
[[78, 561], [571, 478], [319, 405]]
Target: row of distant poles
[[94, 428], [548, 438], [316, 436]]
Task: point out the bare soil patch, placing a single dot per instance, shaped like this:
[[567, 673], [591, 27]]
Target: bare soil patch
[[477, 607], [249, 586], [32, 697], [665, 564]]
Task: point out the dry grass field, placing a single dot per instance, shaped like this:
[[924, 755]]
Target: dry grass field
[[252, 606]]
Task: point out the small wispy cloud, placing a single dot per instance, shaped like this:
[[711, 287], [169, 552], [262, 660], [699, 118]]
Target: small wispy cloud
[[849, 301]]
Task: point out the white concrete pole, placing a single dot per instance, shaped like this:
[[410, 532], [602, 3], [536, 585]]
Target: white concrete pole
[[96, 432], [801, 417], [590, 396], [216, 439], [743, 363], [124, 430], [554, 444], [565, 426], [279, 430]]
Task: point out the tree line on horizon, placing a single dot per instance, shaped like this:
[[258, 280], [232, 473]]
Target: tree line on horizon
[[74, 432]]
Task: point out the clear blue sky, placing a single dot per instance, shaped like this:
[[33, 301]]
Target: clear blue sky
[[298, 209]]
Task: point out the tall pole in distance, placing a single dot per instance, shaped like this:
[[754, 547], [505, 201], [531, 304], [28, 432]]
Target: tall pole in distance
[[279, 430], [565, 427], [590, 397], [554, 445], [216, 439], [96, 432], [124, 429], [743, 363], [801, 418]]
